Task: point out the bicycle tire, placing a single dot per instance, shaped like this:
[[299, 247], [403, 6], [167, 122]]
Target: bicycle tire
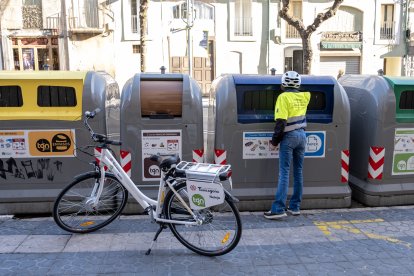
[[223, 227], [73, 213]]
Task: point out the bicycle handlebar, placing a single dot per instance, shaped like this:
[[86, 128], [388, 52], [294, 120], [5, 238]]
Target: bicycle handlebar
[[100, 138], [91, 114]]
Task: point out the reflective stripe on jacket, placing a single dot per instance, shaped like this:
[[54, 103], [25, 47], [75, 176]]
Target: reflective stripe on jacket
[[291, 106]]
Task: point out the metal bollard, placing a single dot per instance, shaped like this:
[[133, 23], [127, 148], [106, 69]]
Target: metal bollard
[[162, 68], [380, 72]]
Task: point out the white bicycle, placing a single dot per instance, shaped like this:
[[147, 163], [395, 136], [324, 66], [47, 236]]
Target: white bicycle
[[191, 200]]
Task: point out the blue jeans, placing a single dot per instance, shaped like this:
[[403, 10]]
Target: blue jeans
[[292, 147]]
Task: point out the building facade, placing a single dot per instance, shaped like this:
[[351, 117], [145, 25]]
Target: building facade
[[231, 36]]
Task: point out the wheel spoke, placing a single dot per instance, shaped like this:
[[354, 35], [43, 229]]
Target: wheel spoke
[[219, 232], [76, 212]]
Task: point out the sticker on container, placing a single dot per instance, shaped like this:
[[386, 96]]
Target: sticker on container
[[403, 155], [204, 194], [37, 143], [256, 145], [158, 142]]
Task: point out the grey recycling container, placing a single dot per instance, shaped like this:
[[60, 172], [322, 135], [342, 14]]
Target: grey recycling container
[[241, 122], [382, 139], [160, 114]]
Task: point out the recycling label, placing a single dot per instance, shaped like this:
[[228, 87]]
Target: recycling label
[[403, 155], [256, 145]]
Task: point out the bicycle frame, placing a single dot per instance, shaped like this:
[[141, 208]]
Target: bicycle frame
[[107, 159]]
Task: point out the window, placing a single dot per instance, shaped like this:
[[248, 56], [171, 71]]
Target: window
[[243, 18], [40, 53], [11, 96], [203, 11], [136, 49], [347, 19], [387, 22], [134, 16], [56, 96], [295, 10], [407, 100], [91, 14], [200, 11], [84, 14]]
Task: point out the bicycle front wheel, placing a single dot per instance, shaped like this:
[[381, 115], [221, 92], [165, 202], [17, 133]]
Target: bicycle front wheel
[[76, 211], [219, 232]]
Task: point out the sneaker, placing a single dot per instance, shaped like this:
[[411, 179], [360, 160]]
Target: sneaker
[[293, 213], [271, 215]]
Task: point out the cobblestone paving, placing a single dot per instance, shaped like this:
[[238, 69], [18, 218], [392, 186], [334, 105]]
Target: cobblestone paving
[[363, 241]]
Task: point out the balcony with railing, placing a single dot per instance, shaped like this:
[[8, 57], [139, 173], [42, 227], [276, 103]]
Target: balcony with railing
[[52, 22], [243, 26], [84, 25], [85, 18], [291, 32], [387, 30]]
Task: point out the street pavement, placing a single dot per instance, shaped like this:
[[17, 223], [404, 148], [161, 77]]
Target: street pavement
[[356, 241]]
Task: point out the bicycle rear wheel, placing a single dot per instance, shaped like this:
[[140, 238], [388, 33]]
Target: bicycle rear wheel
[[220, 231], [74, 210]]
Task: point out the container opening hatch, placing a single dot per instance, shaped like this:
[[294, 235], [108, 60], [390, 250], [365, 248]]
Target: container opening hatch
[[405, 107], [161, 99], [255, 104], [11, 96]]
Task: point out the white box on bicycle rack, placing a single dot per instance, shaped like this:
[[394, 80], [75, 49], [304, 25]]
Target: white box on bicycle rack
[[203, 183]]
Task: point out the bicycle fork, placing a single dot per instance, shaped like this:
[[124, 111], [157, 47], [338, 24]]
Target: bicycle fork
[[93, 200]]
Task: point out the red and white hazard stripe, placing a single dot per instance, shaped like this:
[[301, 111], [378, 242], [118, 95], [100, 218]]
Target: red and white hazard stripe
[[220, 156], [97, 154], [126, 161], [344, 166], [198, 155], [376, 162]]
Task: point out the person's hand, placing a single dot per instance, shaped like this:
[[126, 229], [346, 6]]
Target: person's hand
[[272, 146]]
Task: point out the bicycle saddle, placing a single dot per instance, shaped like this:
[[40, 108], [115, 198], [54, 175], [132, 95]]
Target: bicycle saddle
[[165, 161]]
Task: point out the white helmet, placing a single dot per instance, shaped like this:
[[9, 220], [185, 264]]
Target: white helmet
[[291, 79]]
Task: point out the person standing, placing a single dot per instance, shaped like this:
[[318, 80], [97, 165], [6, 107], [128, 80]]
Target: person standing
[[290, 117]]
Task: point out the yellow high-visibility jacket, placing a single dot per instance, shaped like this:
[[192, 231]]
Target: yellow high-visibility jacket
[[290, 113], [291, 106]]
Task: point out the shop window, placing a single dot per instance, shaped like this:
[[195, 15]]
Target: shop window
[[56, 96], [11, 96], [407, 100], [39, 53]]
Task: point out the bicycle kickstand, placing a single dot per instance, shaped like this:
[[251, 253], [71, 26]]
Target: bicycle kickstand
[[162, 227]]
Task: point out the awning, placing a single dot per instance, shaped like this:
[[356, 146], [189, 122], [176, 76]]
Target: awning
[[397, 51], [341, 45], [340, 52]]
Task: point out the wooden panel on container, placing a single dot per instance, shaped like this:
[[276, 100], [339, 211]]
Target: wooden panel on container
[[161, 97]]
